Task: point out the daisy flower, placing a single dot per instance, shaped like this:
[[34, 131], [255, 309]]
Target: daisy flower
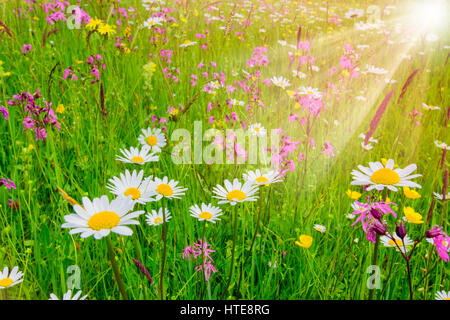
[[367, 146], [207, 212], [138, 157], [187, 43], [165, 188], [262, 179], [8, 280], [257, 129], [412, 216], [305, 241], [68, 296], [374, 70], [441, 196], [441, 145], [430, 107], [377, 176], [280, 82], [152, 22], [319, 228], [153, 138], [310, 91], [235, 192], [442, 295], [131, 184], [388, 242], [99, 217], [156, 217]]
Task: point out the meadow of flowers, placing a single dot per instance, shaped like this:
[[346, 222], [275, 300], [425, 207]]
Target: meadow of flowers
[[124, 174]]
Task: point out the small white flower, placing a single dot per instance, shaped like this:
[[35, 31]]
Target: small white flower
[[258, 178], [441, 145], [387, 242], [165, 188], [131, 185], [430, 107], [68, 296], [442, 295], [153, 138], [187, 43], [157, 217], [319, 228], [138, 157], [235, 192], [281, 82], [8, 280], [257, 129], [206, 212], [441, 196]]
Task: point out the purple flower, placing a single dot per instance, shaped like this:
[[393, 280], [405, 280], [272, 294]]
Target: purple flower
[[4, 111], [26, 48], [7, 183], [201, 249], [366, 212]]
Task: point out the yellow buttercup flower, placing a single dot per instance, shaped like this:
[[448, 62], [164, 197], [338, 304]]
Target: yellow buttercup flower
[[412, 216], [305, 241], [411, 194], [354, 195], [60, 108]]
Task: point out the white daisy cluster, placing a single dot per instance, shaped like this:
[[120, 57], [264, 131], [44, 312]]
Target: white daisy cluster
[[100, 217]]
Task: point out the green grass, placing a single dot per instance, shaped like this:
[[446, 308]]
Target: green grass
[[80, 158]]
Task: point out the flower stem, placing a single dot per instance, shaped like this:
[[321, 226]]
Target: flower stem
[[112, 257], [409, 279], [232, 255], [374, 262], [163, 257], [253, 241]]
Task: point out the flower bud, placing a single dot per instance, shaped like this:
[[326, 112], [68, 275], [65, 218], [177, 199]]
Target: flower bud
[[378, 228], [375, 213], [433, 233], [400, 230]]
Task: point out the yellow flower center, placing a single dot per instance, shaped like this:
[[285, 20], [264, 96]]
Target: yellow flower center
[[157, 220], [236, 195], [205, 215], [397, 241], [385, 176], [262, 180], [151, 141], [165, 190], [133, 192], [6, 282], [137, 159], [446, 299], [103, 220], [256, 129]]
